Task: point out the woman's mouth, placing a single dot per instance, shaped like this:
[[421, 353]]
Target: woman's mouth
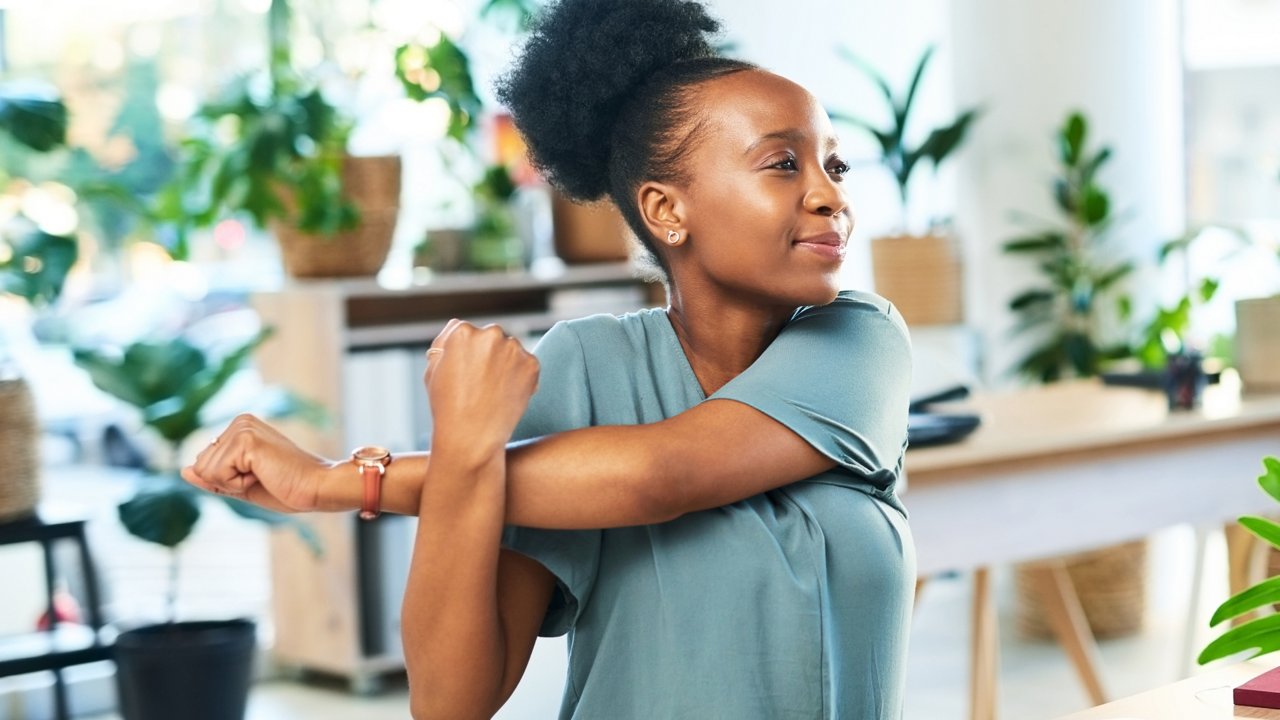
[[829, 245]]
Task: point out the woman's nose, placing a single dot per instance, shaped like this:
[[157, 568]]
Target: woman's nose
[[826, 196]]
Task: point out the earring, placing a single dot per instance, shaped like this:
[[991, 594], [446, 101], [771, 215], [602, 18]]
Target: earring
[[673, 237]]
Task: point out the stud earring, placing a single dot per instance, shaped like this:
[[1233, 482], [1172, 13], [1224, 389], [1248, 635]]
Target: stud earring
[[673, 237]]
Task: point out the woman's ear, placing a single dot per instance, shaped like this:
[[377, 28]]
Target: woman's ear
[[662, 209]]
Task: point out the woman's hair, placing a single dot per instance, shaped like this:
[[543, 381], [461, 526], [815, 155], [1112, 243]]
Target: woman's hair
[[603, 95]]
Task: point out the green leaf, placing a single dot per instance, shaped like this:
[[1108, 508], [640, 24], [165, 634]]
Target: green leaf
[[1095, 205], [1262, 634], [904, 111], [1264, 593], [250, 511], [944, 140], [1071, 139], [38, 121], [1112, 276], [1091, 168], [1263, 528], [1208, 288], [1029, 298], [38, 265], [888, 142], [1048, 241], [161, 513], [1269, 480], [871, 73]]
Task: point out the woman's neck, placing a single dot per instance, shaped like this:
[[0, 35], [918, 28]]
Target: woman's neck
[[721, 338]]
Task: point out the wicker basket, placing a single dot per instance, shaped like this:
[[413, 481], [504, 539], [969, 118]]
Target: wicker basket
[[921, 276], [19, 445], [1258, 343], [373, 185], [1111, 585]]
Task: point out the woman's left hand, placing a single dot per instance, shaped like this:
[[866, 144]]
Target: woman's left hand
[[479, 382]]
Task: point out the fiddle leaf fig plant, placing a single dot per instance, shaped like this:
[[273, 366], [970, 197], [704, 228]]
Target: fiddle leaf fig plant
[[171, 383], [1261, 634], [896, 154], [1066, 307]]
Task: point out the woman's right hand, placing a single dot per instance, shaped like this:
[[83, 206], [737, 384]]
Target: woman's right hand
[[253, 461]]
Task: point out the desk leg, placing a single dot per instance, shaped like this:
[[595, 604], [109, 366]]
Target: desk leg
[[1066, 617], [984, 662], [1186, 661]]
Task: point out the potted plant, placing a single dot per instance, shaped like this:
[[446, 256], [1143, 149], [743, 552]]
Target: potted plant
[[1066, 309], [279, 157], [34, 262], [919, 272], [199, 670], [1261, 634], [1257, 343]]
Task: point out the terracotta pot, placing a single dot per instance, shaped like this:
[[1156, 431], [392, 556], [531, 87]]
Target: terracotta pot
[[373, 185], [588, 233], [921, 276]]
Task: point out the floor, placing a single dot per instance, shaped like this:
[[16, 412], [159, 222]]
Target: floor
[[1036, 680]]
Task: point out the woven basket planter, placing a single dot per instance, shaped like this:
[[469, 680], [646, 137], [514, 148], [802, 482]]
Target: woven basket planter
[[921, 275], [19, 447], [1111, 585], [373, 185]]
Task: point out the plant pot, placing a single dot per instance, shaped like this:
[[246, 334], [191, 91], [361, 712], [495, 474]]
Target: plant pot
[[188, 670], [1110, 583], [19, 441], [372, 184], [921, 276], [592, 233], [1258, 343]]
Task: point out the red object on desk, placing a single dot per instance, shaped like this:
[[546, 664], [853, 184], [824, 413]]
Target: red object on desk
[[1262, 691]]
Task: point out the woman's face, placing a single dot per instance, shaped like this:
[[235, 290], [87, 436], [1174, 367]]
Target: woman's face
[[766, 215]]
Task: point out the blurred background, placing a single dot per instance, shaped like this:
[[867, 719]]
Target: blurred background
[[216, 206]]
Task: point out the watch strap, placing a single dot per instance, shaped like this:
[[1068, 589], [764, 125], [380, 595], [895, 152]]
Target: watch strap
[[371, 477]]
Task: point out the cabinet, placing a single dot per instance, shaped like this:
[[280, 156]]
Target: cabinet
[[63, 644], [338, 613]]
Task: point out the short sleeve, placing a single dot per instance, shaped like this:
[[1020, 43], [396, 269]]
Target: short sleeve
[[839, 376], [562, 402]]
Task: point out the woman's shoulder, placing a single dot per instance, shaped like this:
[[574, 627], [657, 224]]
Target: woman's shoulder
[[857, 306]]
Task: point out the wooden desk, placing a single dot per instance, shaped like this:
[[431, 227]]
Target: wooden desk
[[1203, 697], [1076, 466]]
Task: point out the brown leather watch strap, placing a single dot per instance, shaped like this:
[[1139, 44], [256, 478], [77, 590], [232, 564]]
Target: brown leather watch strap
[[371, 505]]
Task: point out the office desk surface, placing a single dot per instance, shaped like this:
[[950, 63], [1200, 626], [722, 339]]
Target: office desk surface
[[1079, 465], [1203, 697], [1085, 416]]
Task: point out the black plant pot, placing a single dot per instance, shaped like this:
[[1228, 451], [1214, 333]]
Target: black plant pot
[[188, 670]]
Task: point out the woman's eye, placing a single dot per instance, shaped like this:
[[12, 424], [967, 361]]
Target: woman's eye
[[788, 163], [839, 168]]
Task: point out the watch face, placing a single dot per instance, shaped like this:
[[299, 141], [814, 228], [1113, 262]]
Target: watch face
[[370, 453]]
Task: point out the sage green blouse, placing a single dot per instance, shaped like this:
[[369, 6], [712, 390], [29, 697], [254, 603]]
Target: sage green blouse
[[790, 604]]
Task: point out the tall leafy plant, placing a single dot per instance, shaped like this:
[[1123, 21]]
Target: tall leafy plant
[[1260, 634], [272, 155], [897, 154], [171, 383], [1066, 307]]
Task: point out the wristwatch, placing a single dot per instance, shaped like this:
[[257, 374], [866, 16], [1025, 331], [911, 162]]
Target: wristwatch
[[371, 461]]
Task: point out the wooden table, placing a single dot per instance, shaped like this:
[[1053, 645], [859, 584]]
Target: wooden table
[[1077, 466], [1203, 697]]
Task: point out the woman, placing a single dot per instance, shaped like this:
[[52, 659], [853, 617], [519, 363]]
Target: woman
[[741, 446]]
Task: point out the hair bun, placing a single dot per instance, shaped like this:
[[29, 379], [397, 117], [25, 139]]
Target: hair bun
[[582, 61]]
